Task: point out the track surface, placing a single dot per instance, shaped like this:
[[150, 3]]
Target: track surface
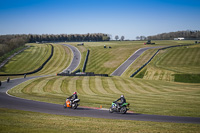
[[76, 58], [121, 69], [11, 102]]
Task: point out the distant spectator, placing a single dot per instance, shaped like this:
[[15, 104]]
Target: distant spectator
[[8, 79], [0, 82], [24, 75]]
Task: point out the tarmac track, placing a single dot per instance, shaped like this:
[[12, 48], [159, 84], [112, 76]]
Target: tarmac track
[[76, 58], [122, 68], [10, 102]]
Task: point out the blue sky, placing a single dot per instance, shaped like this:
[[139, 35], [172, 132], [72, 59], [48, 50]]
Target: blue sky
[[129, 18]]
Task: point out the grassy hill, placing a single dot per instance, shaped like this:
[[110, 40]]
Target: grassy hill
[[171, 63], [147, 95], [103, 60], [24, 121], [144, 96], [28, 60], [33, 57]]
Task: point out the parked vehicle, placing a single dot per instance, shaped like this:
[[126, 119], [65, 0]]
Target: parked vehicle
[[122, 109], [71, 104]]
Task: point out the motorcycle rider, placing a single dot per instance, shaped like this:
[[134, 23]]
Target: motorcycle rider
[[122, 99], [73, 97]]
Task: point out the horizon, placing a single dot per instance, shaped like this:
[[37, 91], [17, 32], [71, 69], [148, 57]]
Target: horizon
[[128, 18]]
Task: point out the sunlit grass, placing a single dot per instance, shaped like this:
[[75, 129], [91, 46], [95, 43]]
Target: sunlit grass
[[169, 62], [145, 96], [24, 121], [29, 60]]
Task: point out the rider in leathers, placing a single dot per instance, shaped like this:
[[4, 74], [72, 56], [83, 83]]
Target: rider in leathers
[[122, 99], [73, 97]]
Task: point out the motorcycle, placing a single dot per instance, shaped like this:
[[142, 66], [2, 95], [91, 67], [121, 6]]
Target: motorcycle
[[71, 104], [122, 109]]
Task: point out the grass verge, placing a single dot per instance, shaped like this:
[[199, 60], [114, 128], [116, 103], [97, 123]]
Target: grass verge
[[181, 63], [24, 121], [144, 96], [187, 78]]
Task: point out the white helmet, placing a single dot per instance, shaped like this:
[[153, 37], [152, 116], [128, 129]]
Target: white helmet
[[122, 95]]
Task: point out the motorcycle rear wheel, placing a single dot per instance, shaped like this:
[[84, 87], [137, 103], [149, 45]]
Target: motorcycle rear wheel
[[74, 106], [110, 110]]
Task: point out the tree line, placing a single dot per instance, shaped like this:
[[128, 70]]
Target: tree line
[[188, 34], [11, 42], [68, 37]]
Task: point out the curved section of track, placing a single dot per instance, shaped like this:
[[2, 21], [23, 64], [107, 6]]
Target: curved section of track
[[11, 102], [76, 58], [122, 68]]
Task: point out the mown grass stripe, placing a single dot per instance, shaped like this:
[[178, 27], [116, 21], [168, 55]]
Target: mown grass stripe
[[64, 86], [140, 86], [79, 86], [112, 86], [105, 84], [99, 86], [57, 85], [38, 88], [28, 88], [126, 86], [136, 88], [86, 86], [66, 57], [72, 85], [52, 62], [49, 86], [92, 85]]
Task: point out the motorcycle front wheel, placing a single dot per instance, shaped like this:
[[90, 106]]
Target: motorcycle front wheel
[[123, 110], [64, 105]]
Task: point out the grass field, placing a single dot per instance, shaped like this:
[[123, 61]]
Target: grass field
[[147, 95], [144, 96], [28, 60], [169, 62], [103, 60], [40, 122], [61, 59], [32, 58], [139, 62], [5, 56]]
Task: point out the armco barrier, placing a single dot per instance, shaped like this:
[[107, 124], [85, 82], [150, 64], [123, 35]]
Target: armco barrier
[[38, 69], [81, 74], [86, 59], [138, 70]]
